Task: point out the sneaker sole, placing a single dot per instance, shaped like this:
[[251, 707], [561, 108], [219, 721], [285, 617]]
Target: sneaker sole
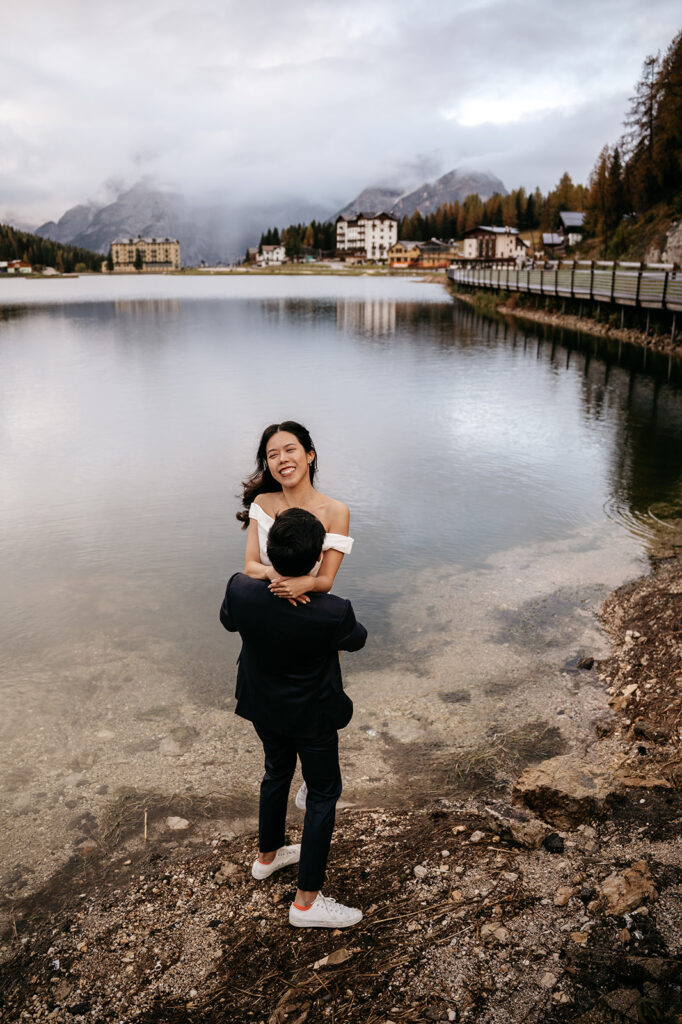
[[324, 924]]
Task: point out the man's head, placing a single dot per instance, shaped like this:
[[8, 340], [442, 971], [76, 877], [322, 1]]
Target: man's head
[[295, 542]]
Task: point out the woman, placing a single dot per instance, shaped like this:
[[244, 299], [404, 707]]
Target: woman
[[286, 463], [286, 466]]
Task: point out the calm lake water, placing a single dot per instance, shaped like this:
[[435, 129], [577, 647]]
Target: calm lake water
[[130, 409]]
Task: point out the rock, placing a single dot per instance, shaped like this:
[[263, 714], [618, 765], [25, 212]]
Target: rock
[[579, 937], [553, 843], [631, 781], [228, 872], [565, 790], [604, 726], [562, 895], [419, 871], [477, 837], [548, 980], [646, 730], [620, 893], [177, 824], [517, 826]]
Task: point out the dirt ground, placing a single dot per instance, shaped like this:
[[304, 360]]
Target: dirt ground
[[461, 923]]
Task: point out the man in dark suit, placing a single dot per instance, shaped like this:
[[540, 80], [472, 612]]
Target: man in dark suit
[[289, 686]]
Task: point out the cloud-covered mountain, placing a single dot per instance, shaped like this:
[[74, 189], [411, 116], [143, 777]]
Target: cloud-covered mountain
[[214, 233], [455, 185], [221, 232]]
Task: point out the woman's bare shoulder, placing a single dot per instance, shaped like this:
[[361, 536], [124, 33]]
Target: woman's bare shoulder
[[266, 501], [336, 515]]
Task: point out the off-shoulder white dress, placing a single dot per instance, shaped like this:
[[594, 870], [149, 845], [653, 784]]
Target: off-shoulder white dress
[[337, 541]]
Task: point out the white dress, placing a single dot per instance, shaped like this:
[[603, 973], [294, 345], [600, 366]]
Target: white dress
[[337, 541]]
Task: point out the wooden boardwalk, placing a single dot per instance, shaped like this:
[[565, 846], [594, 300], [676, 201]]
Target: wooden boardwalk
[[624, 284]]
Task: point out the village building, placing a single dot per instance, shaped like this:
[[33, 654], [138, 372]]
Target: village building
[[366, 234], [403, 254], [15, 267], [157, 254], [432, 255], [271, 255], [573, 223], [493, 243], [552, 243]]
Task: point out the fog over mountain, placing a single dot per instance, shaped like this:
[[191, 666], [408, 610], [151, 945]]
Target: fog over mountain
[[220, 232], [455, 185], [214, 233]]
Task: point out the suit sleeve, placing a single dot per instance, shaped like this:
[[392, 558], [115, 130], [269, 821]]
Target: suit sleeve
[[225, 616], [351, 634]]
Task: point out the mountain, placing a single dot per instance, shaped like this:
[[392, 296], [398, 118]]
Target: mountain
[[374, 198], [139, 211], [454, 186], [214, 233]]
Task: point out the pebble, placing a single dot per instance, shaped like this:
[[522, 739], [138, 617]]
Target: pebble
[[477, 837], [548, 980], [419, 871], [177, 824], [562, 895]]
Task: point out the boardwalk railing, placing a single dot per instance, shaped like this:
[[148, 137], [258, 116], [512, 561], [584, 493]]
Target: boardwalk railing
[[625, 284]]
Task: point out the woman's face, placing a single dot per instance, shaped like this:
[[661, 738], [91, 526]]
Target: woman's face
[[287, 459]]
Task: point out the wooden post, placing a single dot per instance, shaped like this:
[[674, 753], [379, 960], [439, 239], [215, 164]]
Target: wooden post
[[672, 336], [622, 317], [646, 333]]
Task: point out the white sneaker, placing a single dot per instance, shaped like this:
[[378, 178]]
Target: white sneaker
[[301, 797], [285, 855], [325, 912]]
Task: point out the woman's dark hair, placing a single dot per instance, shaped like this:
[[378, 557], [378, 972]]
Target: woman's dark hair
[[295, 542], [262, 481]]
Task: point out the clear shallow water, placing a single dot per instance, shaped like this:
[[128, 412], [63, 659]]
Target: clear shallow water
[[500, 480], [130, 410]]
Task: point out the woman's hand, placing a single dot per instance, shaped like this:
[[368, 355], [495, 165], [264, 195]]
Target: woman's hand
[[292, 588]]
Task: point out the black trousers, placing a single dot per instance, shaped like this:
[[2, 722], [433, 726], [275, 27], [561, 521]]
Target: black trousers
[[320, 764]]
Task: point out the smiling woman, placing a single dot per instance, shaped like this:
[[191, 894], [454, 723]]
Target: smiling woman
[[286, 466]]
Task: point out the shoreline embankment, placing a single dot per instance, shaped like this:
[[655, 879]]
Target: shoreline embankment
[[488, 303]]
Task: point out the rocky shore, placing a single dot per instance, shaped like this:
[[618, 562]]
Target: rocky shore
[[550, 895], [585, 325]]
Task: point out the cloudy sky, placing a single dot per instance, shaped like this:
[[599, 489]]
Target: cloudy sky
[[226, 99]]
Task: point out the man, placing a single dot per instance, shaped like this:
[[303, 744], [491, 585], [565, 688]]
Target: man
[[289, 686]]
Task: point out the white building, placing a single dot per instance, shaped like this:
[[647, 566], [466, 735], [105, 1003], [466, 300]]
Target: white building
[[271, 255], [370, 234], [493, 243]]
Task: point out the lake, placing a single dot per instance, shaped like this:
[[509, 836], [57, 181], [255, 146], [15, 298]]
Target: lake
[[501, 480]]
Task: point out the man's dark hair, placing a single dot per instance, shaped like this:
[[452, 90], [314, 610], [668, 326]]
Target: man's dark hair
[[295, 542]]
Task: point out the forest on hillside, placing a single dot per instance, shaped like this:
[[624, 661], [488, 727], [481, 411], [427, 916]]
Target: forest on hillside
[[637, 181], [42, 252]]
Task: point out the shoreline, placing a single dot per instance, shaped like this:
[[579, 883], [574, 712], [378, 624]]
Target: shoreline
[[483, 910], [581, 325]]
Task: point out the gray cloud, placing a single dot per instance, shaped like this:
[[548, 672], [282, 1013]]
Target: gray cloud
[[314, 98]]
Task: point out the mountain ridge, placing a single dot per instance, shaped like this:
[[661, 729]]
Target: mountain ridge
[[453, 186]]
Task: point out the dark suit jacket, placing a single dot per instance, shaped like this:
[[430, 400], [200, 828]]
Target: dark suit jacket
[[289, 678]]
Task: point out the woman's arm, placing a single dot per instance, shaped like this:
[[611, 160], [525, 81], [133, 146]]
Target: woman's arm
[[294, 587], [252, 564]]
